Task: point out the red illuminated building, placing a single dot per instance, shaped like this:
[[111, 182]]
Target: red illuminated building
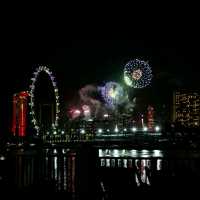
[[150, 118], [19, 118]]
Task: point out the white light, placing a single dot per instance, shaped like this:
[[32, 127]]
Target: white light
[[125, 163], [54, 151], [2, 158], [134, 129], [145, 128], [47, 132], [105, 115], [62, 132], [108, 162], [116, 129], [125, 129], [82, 131], [100, 153], [123, 152], [100, 130], [134, 153], [159, 164], [64, 151], [54, 132], [77, 111], [90, 120], [108, 130], [157, 128], [86, 112], [157, 153], [115, 153]]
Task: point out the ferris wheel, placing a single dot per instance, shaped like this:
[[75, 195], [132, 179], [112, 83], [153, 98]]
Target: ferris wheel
[[32, 86]]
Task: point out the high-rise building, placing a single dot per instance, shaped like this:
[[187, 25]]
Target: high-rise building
[[19, 118], [186, 108], [150, 117]]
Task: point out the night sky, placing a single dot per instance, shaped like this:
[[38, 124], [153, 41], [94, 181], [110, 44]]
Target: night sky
[[76, 63]]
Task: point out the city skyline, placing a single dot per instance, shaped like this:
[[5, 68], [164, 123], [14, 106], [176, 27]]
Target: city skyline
[[77, 63]]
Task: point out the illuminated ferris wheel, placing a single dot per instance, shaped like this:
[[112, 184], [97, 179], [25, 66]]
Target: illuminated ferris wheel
[[32, 103]]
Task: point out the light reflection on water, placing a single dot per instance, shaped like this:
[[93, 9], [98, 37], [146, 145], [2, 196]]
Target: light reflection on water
[[130, 153], [60, 163], [57, 166], [138, 160]]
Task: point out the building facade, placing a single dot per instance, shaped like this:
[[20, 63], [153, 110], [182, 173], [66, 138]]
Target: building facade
[[186, 108]]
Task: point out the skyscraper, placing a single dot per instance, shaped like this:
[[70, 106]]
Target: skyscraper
[[186, 108]]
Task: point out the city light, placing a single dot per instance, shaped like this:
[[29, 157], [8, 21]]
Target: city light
[[100, 130], [86, 112], [77, 111], [157, 153], [64, 151], [115, 153], [101, 153], [105, 115], [2, 158], [157, 128], [159, 164], [82, 131], [55, 151], [145, 128], [54, 132], [116, 129], [134, 129]]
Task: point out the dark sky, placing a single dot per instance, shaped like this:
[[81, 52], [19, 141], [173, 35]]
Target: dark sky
[[75, 63], [79, 62]]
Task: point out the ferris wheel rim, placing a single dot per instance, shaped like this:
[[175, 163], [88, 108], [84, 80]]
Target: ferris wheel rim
[[32, 96]]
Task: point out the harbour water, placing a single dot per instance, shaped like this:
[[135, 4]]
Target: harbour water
[[103, 172]]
